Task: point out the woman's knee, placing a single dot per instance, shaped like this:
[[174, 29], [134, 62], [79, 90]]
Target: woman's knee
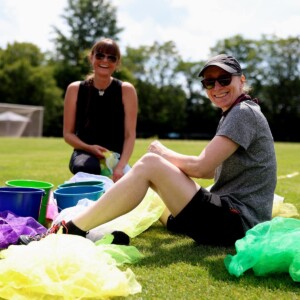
[[82, 162], [149, 161], [150, 166]]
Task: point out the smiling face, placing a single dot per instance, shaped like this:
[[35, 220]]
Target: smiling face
[[101, 57], [223, 96], [103, 66]]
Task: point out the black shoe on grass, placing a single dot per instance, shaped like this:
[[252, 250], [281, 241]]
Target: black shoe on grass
[[26, 239], [120, 238]]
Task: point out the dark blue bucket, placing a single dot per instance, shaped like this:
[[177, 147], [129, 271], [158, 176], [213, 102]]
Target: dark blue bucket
[[24, 202], [69, 196]]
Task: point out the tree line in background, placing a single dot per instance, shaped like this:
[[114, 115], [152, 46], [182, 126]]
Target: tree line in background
[[171, 99]]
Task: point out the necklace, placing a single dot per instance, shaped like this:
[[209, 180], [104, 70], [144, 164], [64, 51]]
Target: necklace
[[101, 91]]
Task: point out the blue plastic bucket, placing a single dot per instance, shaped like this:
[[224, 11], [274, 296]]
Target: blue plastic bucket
[[24, 202], [46, 186], [82, 183], [69, 196]]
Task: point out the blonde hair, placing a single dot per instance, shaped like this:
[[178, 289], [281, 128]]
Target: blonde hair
[[246, 88]]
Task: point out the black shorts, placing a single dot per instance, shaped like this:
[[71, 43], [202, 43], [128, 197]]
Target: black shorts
[[209, 220]]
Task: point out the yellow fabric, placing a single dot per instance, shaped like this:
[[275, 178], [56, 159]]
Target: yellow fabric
[[136, 221], [63, 267], [282, 209]]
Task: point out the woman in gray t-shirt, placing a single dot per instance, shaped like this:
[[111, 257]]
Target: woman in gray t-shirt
[[247, 178], [241, 159]]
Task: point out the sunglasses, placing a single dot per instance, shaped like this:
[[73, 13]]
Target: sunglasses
[[223, 80], [101, 56]]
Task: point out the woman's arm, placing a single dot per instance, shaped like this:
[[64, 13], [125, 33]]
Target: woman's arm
[[202, 166], [130, 102]]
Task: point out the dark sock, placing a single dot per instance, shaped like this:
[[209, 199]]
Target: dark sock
[[71, 228], [120, 238]]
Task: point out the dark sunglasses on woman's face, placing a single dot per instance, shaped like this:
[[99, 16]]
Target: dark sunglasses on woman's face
[[223, 80], [101, 56]]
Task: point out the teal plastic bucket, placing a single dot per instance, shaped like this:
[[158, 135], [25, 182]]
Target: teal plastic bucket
[[46, 186], [24, 202], [82, 183], [69, 196]]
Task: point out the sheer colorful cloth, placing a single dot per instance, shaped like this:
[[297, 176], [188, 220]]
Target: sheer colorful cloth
[[12, 226]]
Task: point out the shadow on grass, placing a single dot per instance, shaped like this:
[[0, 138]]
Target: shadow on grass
[[162, 249]]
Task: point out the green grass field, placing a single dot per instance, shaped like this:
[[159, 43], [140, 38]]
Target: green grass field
[[173, 267]]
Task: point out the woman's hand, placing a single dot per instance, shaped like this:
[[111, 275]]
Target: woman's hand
[[158, 148], [117, 173], [97, 151]]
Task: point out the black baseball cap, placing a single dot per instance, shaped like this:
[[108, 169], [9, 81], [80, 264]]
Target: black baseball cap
[[225, 62]]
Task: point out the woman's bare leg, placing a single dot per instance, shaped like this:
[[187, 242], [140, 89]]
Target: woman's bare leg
[[164, 217], [173, 186]]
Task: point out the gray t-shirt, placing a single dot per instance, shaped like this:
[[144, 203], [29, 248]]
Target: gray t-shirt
[[247, 179]]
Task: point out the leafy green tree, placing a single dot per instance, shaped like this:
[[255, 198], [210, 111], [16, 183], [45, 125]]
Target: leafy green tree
[[201, 115], [281, 88], [161, 64], [161, 109], [162, 99], [87, 21], [26, 79]]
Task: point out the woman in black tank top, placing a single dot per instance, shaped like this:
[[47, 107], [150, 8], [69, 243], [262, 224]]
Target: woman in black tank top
[[100, 114]]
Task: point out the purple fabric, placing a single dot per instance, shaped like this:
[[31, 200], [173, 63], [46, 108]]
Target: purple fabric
[[12, 226]]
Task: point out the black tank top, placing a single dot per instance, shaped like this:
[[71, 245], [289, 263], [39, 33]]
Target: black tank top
[[100, 119]]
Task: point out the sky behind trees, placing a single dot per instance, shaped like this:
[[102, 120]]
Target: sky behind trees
[[193, 25]]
